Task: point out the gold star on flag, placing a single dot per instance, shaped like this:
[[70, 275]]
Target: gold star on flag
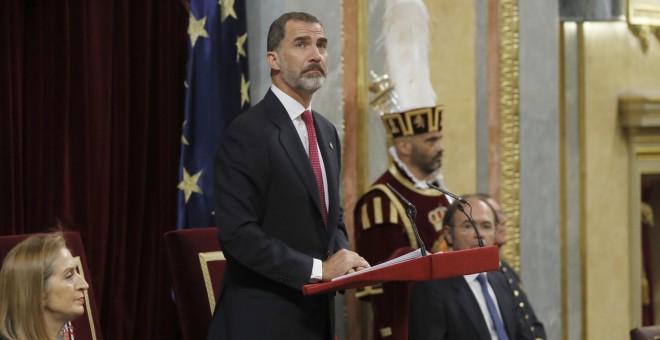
[[240, 51], [189, 184], [245, 86], [196, 29], [184, 141], [227, 9]]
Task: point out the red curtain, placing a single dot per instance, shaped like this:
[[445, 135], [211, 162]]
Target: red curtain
[[91, 100]]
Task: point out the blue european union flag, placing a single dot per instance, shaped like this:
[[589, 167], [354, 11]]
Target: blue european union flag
[[216, 92]]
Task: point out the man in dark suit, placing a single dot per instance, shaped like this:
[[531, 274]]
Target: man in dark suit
[[477, 306], [277, 199], [526, 316]]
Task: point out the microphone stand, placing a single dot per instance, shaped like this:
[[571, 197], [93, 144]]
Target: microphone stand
[[459, 206], [411, 211]]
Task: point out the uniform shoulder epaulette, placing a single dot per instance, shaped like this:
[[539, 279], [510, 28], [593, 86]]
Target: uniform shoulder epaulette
[[380, 206]]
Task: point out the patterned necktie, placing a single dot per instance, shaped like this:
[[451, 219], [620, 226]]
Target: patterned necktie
[[314, 159], [497, 321]]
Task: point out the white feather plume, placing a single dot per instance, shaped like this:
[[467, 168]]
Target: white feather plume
[[406, 36]]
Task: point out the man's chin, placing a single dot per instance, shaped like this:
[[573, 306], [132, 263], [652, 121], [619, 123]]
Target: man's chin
[[433, 171], [311, 84]]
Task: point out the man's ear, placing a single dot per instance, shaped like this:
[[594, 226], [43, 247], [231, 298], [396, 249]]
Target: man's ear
[[403, 146], [273, 60], [449, 236]]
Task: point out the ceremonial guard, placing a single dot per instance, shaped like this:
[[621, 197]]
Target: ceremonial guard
[[406, 102]]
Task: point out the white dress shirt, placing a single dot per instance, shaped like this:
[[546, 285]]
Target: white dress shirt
[[478, 294], [295, 111]]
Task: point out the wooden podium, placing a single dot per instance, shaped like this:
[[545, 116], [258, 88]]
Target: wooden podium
[[429, 267]]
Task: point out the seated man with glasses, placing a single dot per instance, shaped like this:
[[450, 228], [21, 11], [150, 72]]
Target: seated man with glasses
[[476, 306]]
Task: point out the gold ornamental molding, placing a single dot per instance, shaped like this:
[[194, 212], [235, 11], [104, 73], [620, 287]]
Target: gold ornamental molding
[[509, 128], [639, 114], [643, 33], [644, 21], [644, 12]]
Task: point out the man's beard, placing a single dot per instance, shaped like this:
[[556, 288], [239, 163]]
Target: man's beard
[[428, 166], [302, 82]]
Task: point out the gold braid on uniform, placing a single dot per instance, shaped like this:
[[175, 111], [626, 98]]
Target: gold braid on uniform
[[395, 206], [396, 209], [368, 291], [518, 293]]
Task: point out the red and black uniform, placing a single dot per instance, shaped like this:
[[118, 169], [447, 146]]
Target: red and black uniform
[[383, 231]]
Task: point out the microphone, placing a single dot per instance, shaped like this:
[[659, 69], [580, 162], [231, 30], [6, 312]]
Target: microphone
[[410, 211], [459, 206], [405, 201], [446, 192]]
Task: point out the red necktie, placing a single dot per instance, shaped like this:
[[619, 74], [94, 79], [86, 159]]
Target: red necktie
[[314, 159]]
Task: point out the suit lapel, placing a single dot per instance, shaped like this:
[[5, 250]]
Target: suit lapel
[[470, 307], [504, 301], [293, 146]]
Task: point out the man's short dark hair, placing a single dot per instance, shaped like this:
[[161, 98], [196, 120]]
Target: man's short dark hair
[[450, 218], [450, 214], [277, 28], [485, 197]]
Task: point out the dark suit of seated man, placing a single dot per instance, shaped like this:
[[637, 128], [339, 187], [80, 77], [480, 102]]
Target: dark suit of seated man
[[477, 306]]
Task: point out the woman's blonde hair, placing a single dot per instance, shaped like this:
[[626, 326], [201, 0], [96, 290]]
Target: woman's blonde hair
[[23, 278]]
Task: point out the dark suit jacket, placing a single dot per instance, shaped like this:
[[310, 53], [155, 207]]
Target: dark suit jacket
[[270, 226], [447, 309]]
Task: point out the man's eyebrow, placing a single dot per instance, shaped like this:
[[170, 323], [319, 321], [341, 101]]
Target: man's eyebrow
[[302, 38], [306, 38]]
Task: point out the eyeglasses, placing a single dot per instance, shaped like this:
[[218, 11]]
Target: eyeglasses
[[484, 227]]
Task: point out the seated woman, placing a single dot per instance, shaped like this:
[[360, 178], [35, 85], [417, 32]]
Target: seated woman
[[40, 290]]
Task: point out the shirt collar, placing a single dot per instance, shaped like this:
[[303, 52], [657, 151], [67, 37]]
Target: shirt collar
[[292, 107], [472, 277]]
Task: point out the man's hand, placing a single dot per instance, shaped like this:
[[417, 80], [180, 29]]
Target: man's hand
[[343, 262]]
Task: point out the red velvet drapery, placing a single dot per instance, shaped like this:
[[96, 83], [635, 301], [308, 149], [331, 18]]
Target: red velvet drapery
[[91, 99]]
